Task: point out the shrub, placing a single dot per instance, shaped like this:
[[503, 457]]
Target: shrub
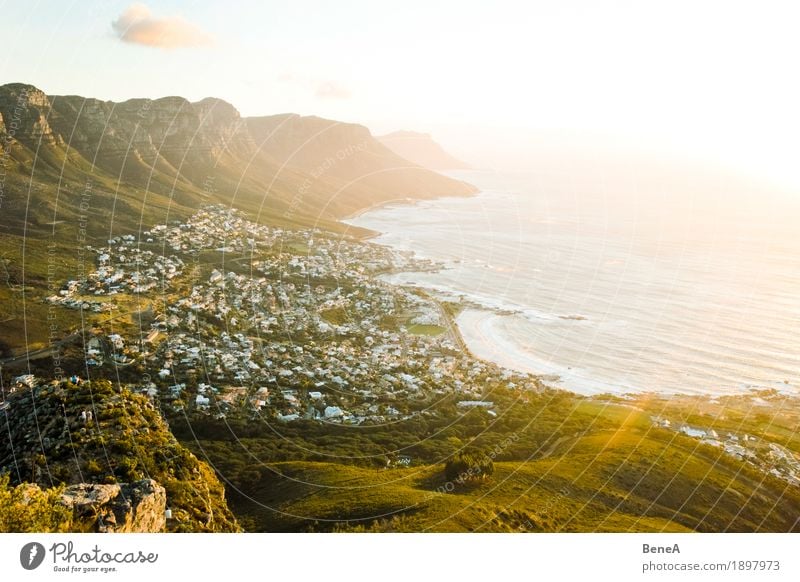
[[26, 508], [466, 467]]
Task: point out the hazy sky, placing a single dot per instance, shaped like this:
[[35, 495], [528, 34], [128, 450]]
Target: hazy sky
[[492, 80]]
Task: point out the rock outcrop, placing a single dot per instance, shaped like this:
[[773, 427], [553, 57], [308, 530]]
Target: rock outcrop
[[24, 110], [138, 507]]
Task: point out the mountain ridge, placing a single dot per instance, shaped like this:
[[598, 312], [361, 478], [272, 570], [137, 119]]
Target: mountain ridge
[[170, 152], [421, 149]]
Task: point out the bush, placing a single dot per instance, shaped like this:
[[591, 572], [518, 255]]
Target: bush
[[26, 508], [93, 468], [466, 467]]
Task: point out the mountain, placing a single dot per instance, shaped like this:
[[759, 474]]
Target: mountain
[[76, 171], [362, 171], [422, 150], [143, 160]]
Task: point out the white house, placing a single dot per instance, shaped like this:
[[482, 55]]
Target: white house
[[475, 404], [333, 412]]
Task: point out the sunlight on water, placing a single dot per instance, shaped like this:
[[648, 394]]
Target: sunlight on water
[[618, 278]]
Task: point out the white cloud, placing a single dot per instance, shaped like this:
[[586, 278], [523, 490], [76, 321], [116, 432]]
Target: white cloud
[[137, 25]]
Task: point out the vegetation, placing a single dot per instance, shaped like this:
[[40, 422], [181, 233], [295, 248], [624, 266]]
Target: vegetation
[[124, 439], [467, 467], [559, 462], [422, 329], [28, 509]]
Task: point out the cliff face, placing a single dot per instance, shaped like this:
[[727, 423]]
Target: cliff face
[[115, 454], [140, 137], [122, 508], [24, 110], [150, 159]]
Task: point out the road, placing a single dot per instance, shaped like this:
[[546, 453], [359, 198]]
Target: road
[[451, 328]]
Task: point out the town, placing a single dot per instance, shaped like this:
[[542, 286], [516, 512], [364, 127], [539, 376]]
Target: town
[[237, 318], [220, 317]]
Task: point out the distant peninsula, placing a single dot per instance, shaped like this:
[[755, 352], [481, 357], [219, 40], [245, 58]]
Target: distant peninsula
[[421, 149]]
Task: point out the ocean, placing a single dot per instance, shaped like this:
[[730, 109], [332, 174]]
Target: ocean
[[617, 277]]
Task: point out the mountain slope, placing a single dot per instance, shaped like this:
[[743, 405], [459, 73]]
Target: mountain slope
[[145, 161], [363, 171], [615, 482], [76, 171], [421, 149]]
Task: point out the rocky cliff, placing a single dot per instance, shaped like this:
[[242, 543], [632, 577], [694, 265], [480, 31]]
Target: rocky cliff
[[138, 507], [149, 160], [24, 110]]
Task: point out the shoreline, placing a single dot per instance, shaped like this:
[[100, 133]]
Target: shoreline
[[499, 352], [379, 205], [449, 320], [370, 233], [408, 201]]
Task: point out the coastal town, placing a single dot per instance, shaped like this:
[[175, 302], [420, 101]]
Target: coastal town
[[221, 317], [237, 318]]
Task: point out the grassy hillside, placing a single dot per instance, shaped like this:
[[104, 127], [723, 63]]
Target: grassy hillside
[[635, 483], [562, 463]]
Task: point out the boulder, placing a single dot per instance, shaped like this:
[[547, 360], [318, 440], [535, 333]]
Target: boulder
[[137, 507]]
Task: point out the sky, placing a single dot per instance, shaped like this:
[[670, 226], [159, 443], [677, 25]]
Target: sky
[[495, 82]]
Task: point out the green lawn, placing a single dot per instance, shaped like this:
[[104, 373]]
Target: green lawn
[[422, 329]]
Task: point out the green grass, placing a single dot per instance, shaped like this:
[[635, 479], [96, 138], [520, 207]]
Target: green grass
[[324, 497], [336, 316], [623, 480], [562, 463], [422, 329]]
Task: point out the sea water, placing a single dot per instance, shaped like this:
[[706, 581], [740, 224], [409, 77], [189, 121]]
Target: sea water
[[617, 278]]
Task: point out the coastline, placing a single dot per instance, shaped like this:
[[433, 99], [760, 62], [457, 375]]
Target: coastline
[[408, 201], [379, 205], [449, 320], [485, 330]]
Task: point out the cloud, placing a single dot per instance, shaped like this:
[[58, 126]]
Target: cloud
[[332, 90], [137, 25]]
